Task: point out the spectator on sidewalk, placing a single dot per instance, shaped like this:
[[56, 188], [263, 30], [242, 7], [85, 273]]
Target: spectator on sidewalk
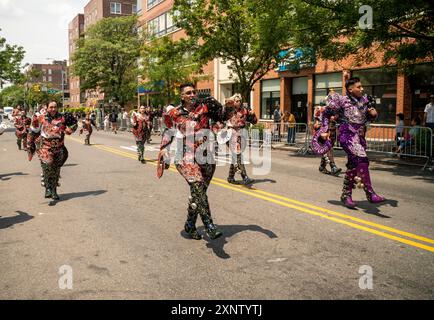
[[114, 121], [428, 117], [106, 123], [124, 119], [277, 117], [399, 128], [289, 119], [411, 137]]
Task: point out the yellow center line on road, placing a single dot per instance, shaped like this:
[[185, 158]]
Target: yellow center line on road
[[341, 215], [302, 206]]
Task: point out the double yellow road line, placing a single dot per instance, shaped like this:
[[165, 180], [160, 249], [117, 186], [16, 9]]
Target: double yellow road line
[[353, 222]]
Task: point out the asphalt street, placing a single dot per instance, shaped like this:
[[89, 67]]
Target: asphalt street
[[119, 230]]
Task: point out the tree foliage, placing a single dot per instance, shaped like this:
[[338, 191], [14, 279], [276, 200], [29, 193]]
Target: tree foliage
[[165, 66], [246, 34], [106, 58], [403, 30], [11, 57], [12, 96]]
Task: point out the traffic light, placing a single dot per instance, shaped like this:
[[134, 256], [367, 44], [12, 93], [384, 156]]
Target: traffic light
[[37, 88]]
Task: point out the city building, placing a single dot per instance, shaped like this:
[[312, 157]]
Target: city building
[[75, 31], [157, 17], [93, 11], [52, 77], [301, 91]]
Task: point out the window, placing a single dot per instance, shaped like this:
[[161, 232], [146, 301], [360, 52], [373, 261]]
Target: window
[[50, 79], [382, 85], [270, 97], [161, 25], [152, 3], [44, 79], [115, 8], [49, 71], [134, 8], [323, 84]]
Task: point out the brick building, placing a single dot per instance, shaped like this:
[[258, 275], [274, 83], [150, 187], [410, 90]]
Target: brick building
[[300, 92], [75, 31], [53, 76], [93, 11], [156, 16]]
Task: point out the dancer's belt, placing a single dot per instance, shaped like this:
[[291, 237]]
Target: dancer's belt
[[53, 142]]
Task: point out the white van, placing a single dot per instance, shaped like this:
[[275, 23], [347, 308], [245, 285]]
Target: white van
[[8, 112]]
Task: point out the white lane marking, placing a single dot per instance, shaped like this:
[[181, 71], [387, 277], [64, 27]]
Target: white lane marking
[[221, 159], [129, 148], [134, 148], [278, 260]]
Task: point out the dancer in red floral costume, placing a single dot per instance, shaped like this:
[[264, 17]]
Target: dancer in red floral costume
[[86, 128], [22, 125], [191, 120], [52, 152], [141, 122], [237, 118]]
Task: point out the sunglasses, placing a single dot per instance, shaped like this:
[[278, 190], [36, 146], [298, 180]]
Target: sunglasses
[[188, 93]]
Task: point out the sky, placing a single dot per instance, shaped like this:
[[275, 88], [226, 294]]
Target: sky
[[39, 26]]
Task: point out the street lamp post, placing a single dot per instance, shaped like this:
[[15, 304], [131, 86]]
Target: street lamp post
[[139, 80], [63, 89]]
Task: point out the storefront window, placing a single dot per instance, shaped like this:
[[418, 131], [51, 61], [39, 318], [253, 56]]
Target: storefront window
[[324, 83], [381, 84], [421, 86], [270, 97]]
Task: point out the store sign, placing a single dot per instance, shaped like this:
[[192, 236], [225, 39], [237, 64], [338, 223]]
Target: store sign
[[296, 59]]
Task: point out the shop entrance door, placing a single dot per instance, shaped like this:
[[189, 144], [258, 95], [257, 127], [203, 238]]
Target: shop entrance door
[[299, 107]]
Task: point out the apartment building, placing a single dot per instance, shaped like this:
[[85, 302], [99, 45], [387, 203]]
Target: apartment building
[[75, 31], [93, 11], [156, 16], [53, 76]]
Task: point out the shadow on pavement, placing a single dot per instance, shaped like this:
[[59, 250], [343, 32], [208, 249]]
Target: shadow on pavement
[[369, 208], [255, 181], [69, 196], [6, 176], [228, 231], [70, 165], [10, 221]]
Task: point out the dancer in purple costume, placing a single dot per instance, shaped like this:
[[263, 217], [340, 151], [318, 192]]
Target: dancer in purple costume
[[354, 111]]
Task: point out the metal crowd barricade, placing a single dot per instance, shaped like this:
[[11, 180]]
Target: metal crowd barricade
[[291, 134], [157, 125], [415, 141]]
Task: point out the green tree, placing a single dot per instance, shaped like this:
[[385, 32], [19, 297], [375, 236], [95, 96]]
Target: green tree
[[11, 57], [403, 30], [166, 65], [106, 58], [12, 96], [246, 34]]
